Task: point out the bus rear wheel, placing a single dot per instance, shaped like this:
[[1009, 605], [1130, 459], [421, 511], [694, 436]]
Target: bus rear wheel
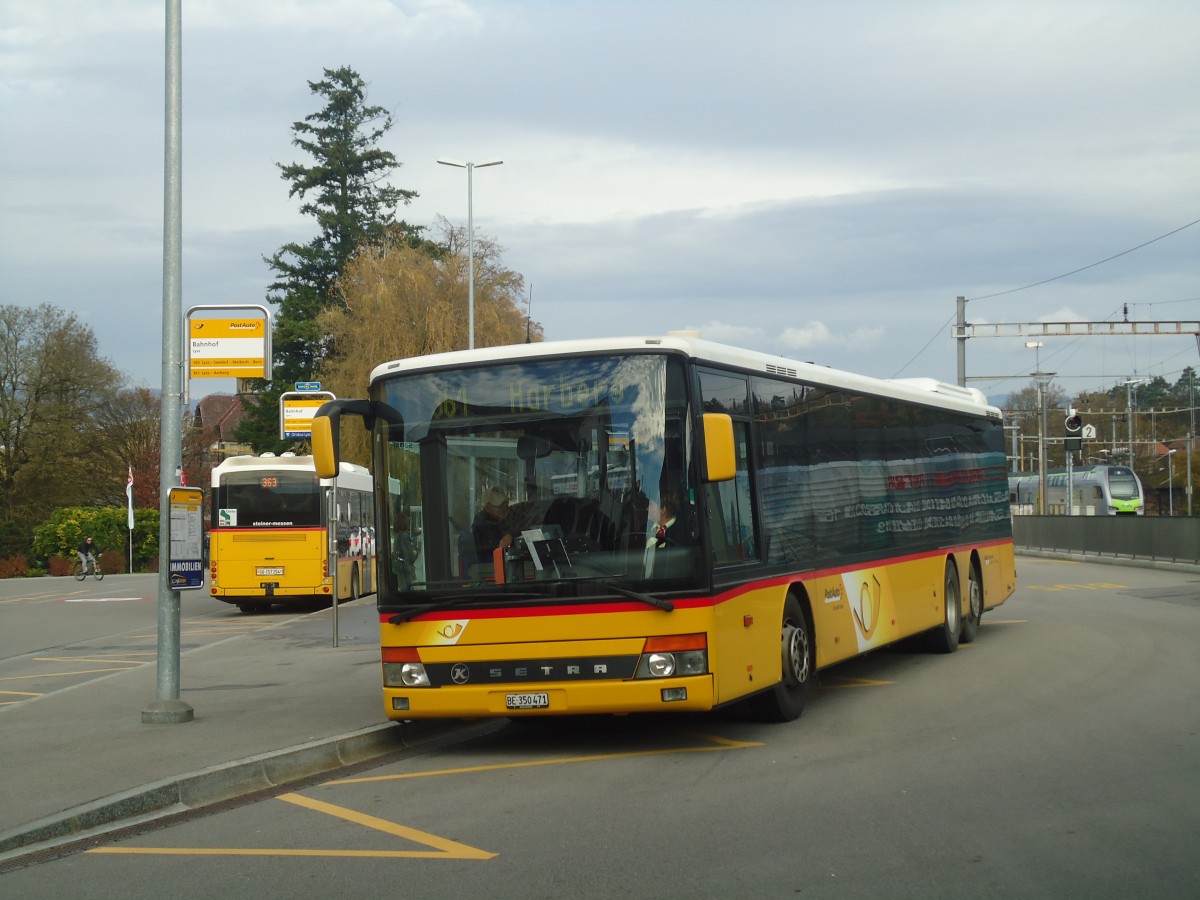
[[970, 625], [354, 583], [944, 639], [786, 700]]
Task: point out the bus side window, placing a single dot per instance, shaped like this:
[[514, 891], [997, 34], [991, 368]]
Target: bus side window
[[730, 514]]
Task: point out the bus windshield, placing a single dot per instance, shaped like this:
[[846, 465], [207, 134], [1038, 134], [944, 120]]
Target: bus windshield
[[267, 499], [577, 469]]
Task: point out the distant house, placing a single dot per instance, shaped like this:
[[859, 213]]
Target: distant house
[[217, 418]]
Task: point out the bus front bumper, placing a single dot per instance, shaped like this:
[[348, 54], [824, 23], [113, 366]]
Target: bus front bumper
[[691, 694]]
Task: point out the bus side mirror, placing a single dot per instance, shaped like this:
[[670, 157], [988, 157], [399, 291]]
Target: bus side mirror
[[326, 431], [720, 460], [324, 446]]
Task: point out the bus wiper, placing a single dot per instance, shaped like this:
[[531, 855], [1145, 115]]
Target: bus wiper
[[665, 605], [439, 605], [604, 577]]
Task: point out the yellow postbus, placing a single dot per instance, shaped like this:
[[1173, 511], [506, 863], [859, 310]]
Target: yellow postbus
[[664, 523], [269, 534]]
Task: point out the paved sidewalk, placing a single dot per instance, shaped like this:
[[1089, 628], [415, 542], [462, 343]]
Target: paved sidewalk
[[271, 706]]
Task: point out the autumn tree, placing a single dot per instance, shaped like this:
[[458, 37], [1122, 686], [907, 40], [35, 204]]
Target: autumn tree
[[399, 301], [344, 189]]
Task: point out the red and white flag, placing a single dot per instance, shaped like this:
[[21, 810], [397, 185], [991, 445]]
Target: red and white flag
[[129, 496]]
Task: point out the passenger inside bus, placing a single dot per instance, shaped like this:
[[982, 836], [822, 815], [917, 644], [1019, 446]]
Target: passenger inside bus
[[491, 528]]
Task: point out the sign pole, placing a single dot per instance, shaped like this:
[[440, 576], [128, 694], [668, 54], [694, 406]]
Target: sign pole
[[167, 708]]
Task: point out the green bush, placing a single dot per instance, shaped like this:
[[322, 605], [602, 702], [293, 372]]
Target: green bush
[[67, 528]]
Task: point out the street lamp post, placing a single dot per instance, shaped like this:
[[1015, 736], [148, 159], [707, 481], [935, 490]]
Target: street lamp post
[[470, 167]]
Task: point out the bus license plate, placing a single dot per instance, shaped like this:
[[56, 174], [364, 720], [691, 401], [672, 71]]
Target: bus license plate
[[527, 701], [270, 570]]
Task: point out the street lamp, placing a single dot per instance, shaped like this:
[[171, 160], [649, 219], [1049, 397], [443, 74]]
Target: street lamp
[[470, 167], [1036, 347]]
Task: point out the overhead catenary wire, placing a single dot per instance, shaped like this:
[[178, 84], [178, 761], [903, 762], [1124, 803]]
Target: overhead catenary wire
[[1085, 268], [941, 328]]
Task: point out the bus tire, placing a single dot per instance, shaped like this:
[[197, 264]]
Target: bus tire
[[354, 584], [944, 638], [786, 700], [970, 625]]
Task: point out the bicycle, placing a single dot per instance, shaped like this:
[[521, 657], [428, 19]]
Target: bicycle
[[81, 571]]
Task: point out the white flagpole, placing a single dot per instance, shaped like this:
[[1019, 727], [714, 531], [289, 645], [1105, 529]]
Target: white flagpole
[[129, 497]]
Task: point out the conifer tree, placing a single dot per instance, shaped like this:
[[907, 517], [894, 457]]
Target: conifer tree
[[344, 189]]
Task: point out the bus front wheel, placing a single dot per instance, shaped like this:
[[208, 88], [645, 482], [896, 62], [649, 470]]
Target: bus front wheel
[[786, 700], [354, 583]]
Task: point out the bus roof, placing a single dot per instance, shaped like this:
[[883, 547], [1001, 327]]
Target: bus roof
[[272, 463], [927, 391]]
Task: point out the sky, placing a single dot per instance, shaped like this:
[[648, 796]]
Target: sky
[[810, 179]]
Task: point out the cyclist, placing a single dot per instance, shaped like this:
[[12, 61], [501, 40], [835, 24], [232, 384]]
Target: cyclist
[[87, 551]]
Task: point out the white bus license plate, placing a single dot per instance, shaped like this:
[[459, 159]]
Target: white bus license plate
[[270, 570], [527, 701]]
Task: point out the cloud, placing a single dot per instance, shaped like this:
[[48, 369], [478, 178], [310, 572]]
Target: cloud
[[797, 178]]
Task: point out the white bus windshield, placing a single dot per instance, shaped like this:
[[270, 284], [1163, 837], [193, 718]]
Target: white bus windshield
[[577, 469]]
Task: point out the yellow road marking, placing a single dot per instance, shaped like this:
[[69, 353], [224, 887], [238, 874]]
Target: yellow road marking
[[280, 851], [720, 745], [21, 693], [440, 848], [1091, 586], [853, 682], [444, 846], [92, 659], [65, 674]]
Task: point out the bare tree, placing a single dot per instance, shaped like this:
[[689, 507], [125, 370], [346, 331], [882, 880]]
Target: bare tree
[[131, 439], [52, 385]]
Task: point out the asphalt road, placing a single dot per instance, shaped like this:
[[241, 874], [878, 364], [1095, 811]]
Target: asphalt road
[[1057, 756], [59, 632]]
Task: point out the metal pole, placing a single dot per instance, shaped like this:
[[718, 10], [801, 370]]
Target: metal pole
[[1129, 417], [1041, 446], [470, 256], [1191, 430], [961, 337], [1170, 485], [331, 548], [167, 708], [470, 167], [1070, 482]]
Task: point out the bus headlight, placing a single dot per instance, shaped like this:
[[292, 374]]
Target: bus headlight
[[675, 655], [406, 674], [668, 663]]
